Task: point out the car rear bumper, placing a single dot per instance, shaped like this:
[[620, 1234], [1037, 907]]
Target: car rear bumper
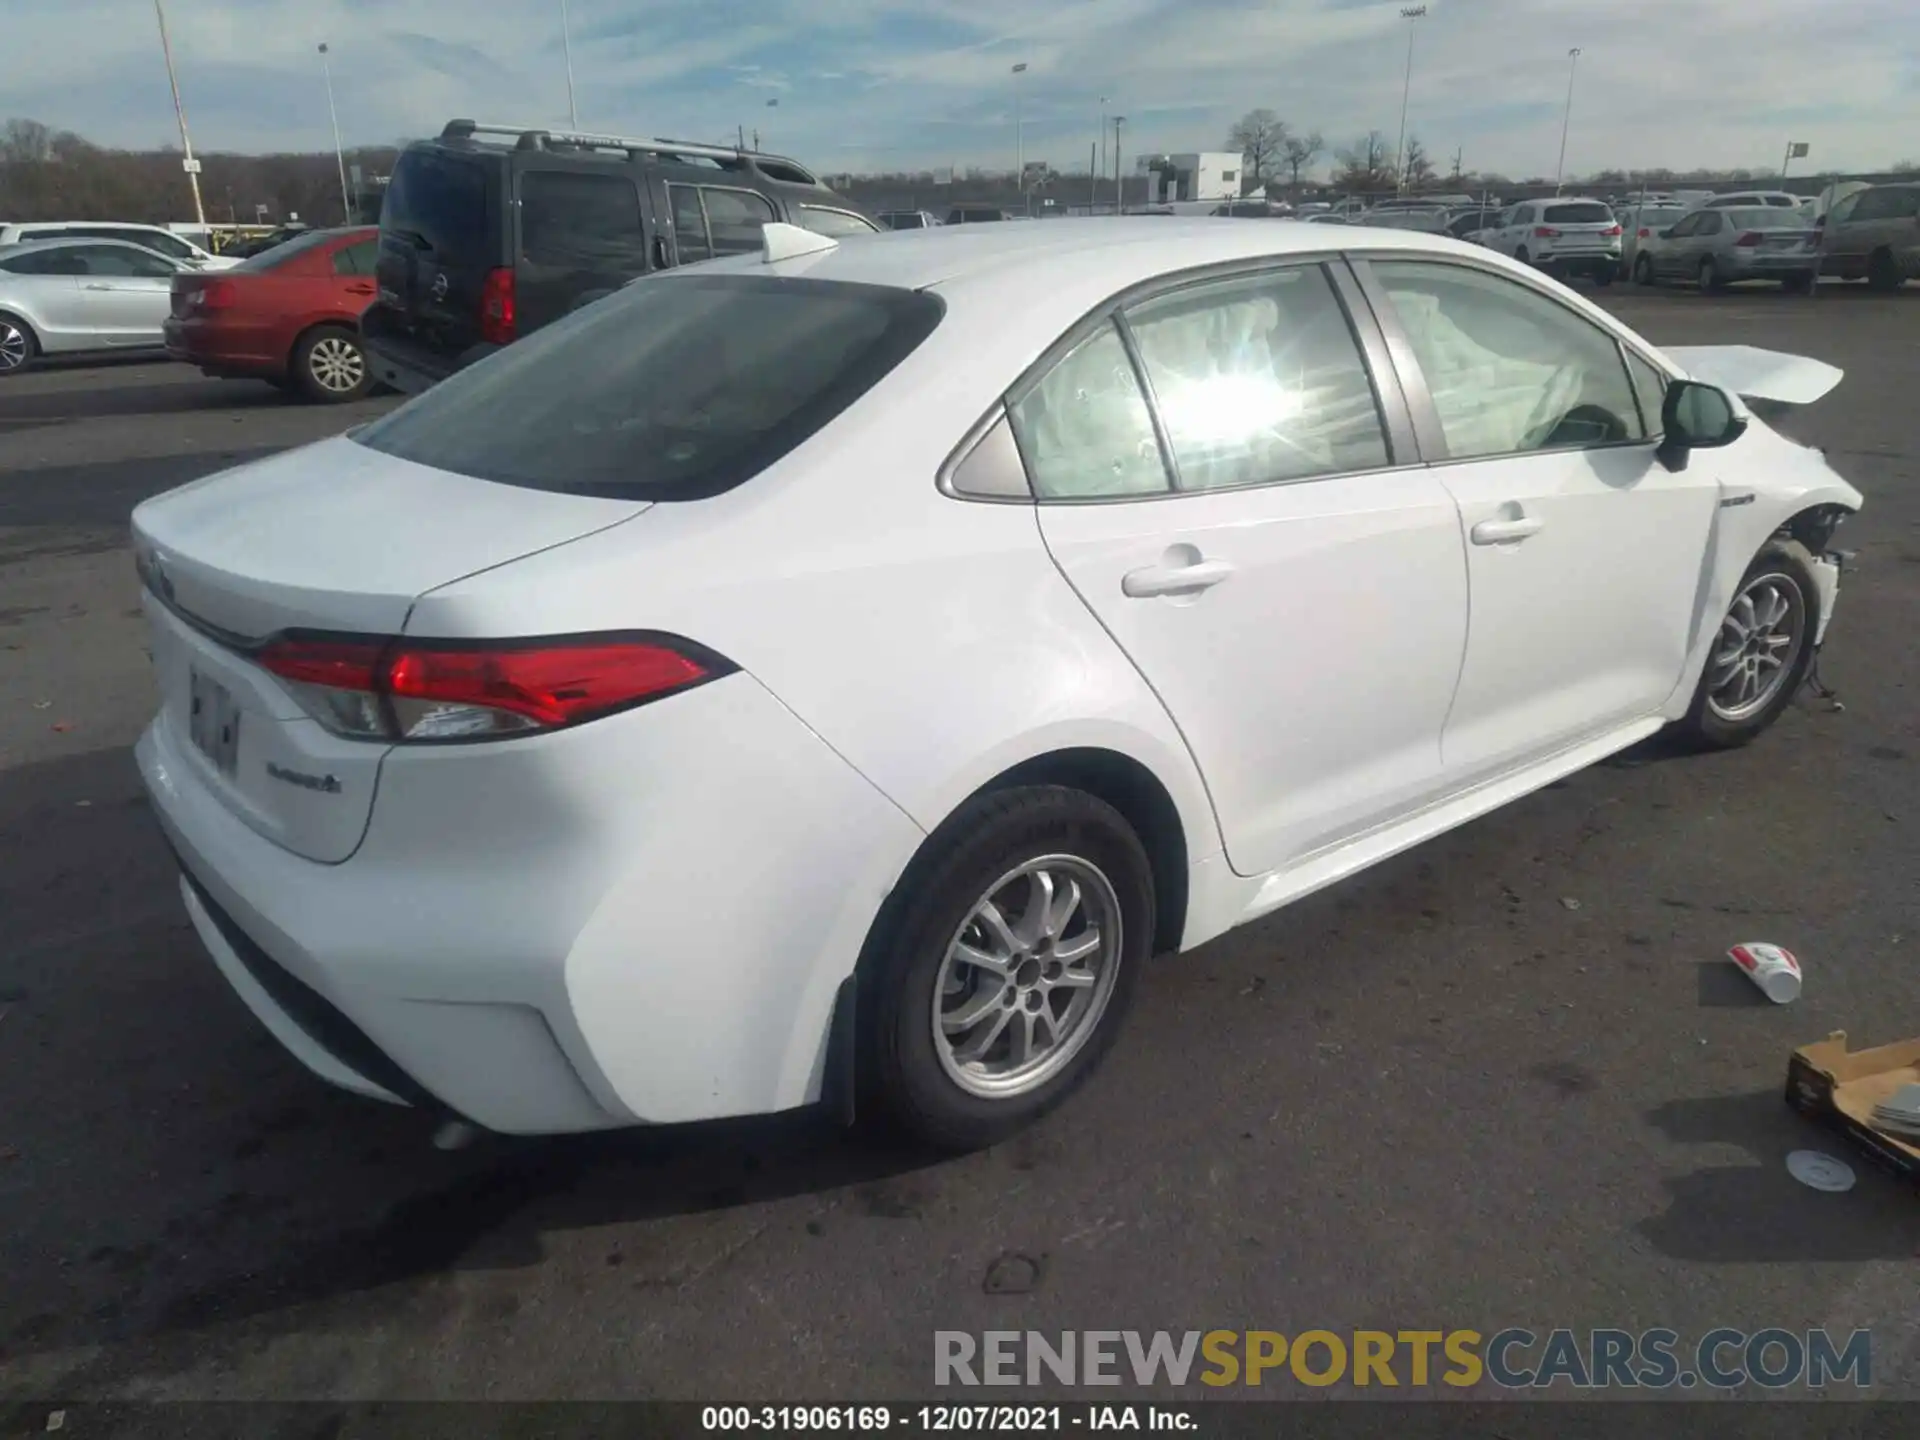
[[221, 351], [1771, 266], [399, 360], [628, 923]]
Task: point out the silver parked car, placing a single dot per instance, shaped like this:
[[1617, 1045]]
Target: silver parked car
[[1640, 231], [75, 297], [1717, 248], [1873, 235]]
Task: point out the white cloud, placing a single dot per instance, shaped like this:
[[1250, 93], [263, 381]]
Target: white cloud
[[927, 82]]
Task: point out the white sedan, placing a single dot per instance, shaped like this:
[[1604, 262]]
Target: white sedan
[[838, 671]]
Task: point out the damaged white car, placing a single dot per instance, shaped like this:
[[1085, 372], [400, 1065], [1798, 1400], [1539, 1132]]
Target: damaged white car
[[835, 672]]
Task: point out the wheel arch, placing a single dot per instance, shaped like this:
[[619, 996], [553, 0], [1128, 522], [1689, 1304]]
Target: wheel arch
[[320, 322]]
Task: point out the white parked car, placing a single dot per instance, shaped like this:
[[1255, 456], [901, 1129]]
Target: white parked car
[[1748, 199], [1566, 237], [842, 670], [156, 238]]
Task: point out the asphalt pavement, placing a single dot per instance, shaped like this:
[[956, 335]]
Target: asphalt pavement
[[1505, 1079]]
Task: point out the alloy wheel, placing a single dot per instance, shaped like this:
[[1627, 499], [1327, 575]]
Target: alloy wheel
[[337, 365], [1759, 644], [13, 347], [1027, 977]]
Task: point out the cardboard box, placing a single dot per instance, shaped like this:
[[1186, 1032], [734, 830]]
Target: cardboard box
[[1839, 1088]]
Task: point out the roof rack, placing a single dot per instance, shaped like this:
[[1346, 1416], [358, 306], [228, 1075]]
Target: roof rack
[[537, 137]]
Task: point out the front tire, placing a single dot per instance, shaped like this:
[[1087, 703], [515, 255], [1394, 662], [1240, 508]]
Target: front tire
[[1762, 653], [1010, 967], [19, 346], [330, 365], [1883, 272]]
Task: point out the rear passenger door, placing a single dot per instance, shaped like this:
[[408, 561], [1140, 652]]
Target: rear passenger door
[[1224, 486], [582, 235]]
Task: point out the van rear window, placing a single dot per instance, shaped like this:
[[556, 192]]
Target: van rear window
[[439, 200], [676, 387]]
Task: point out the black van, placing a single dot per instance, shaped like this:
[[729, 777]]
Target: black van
[[489, 232]]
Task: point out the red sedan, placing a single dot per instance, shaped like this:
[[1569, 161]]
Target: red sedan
[[289, 315]]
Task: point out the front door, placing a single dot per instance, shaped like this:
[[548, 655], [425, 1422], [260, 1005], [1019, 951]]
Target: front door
[[1584, 552], [1296, 600]]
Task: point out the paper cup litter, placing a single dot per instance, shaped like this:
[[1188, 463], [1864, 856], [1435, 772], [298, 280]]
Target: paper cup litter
[[1770, 967], [1822, 1172]]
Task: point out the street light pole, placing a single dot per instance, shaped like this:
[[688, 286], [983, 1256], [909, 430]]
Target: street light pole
[[1019, 137], [1411, 14], [339, 152], [1100, 167], [1566, 119], [1119, 190], [180, 114], [566, 45]]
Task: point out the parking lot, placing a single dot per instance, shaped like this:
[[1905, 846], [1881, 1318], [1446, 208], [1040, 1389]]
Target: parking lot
[[1505, 1079]]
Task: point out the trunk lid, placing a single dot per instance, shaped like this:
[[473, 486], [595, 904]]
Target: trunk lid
[[439, 239], [1582, 225], [332, 537]]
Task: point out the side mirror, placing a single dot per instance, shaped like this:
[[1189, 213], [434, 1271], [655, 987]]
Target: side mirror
[[1696, 416]]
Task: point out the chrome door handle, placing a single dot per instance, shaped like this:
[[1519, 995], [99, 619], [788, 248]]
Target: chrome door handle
[[1500, 532], [99, 287], [1174, 579]]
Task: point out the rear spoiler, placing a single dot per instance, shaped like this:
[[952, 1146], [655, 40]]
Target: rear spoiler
[[1768, 377]]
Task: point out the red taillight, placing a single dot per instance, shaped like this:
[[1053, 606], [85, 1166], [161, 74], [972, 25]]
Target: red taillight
[[1611, 233], [1545, 232], [395, 690], [1749, 241], [1645, 233], [218, 295], [496, 307]]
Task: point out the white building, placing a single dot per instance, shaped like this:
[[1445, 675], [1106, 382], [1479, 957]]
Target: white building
[[1173, 178]]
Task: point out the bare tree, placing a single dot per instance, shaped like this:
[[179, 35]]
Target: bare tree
[[1366, 167], [1300, 151], [1258, 137], [1418, 165], [26, 141], [1904, 167]]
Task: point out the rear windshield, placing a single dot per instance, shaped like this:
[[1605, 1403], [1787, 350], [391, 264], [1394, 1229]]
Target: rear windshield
[[277, 255], [1587, 212], [1765, 218], [440, 200], [678, 387]]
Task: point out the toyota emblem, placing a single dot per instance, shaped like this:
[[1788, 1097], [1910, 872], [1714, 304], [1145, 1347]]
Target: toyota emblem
[[440, 286]]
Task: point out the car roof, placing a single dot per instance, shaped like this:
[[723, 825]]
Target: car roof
[[1119, 251], [65, 242], [88, 225]]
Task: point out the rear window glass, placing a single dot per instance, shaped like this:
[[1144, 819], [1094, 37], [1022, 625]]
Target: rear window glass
[[276, 255], [1588, 212], [1762, 217], [440, 200], [679, 386]]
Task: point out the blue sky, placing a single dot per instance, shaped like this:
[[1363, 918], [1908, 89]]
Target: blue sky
[[886, 84]]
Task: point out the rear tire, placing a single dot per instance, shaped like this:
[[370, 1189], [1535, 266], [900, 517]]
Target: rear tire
[[19, 346], [1710, 281], [1797, 284], [1521, 255], [1605, 277], [940, 1032], [1643, 270], [1748, 639], [330, 365], [1883, 272]]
